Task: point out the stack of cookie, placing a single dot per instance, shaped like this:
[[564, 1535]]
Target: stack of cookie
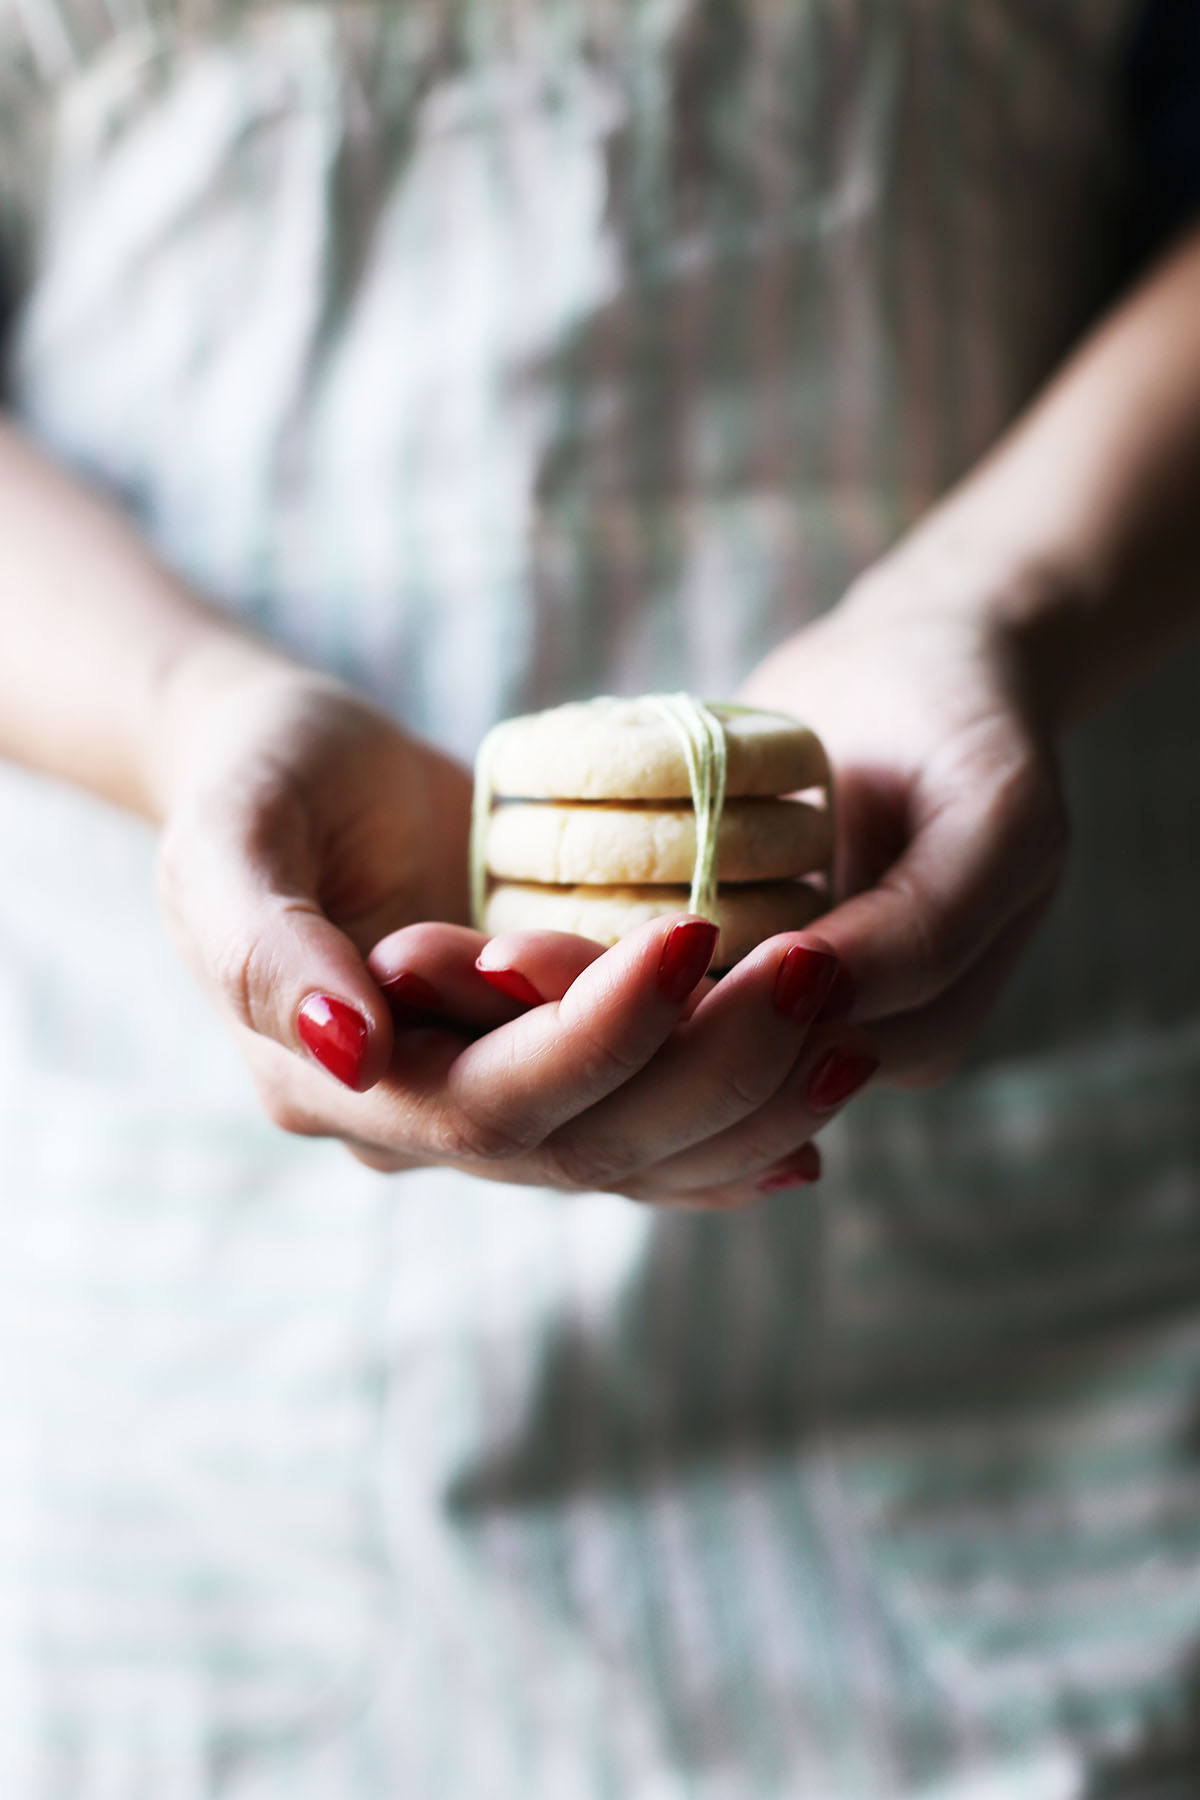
[[596, 816]]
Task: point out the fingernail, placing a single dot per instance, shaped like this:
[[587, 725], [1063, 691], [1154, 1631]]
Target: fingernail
[[412, 991], [802, 1171], [840, 997], [335, 1034], [512, 983], [685, 956], [803, 980], [839, 1074]]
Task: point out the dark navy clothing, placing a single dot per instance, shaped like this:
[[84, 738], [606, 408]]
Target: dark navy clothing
[[1164, 107]]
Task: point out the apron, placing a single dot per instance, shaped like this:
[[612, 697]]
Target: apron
[[491, 355]]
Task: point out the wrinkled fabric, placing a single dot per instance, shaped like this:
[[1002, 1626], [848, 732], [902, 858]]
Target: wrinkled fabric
[[492, 355]]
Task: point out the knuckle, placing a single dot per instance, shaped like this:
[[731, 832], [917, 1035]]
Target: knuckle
[[940, 945], [1027, 811], [606, 1059], [751, 1088], [764, 1152], [585, 1166], [470, 1135], [248, 969], [382, 1162], [241, 974]]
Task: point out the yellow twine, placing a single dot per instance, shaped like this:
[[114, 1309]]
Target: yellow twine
[[702, 736]]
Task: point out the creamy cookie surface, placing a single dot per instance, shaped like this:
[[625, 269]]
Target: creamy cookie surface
[[598, 815]]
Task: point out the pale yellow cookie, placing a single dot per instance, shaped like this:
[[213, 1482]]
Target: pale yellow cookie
[[746, 915], [603, 842], [614, 749]]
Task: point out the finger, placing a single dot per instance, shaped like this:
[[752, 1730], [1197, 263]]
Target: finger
[[837, 1063], [536, 966], [512, 1088], [378, 1158], [388, 1122], [246, 915], [960, 882], [428, 973], [728, 1059], [913, 1050], [433, 970], [927, 1046], [480, 1106], [800, 1170]]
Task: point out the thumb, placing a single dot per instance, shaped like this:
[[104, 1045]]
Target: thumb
[[967, 874], [260, 943]]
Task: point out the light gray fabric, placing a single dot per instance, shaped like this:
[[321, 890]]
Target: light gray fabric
[[491, 355]]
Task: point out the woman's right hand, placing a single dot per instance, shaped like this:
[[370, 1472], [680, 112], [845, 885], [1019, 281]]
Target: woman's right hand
[[313, 871]]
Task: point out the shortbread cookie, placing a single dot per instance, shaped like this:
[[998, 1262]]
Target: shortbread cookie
[[603, 842], [745, 915], [612, 812], [615, 749]]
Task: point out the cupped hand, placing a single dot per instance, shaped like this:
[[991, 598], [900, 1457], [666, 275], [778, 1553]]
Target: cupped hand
[[303, 828], [300, 826], [951, 826]]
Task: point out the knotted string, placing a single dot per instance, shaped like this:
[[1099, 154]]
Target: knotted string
[[702, 736]]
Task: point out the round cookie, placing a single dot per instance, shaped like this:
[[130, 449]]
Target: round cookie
[[616, 749], [603, 843], [745, 915]]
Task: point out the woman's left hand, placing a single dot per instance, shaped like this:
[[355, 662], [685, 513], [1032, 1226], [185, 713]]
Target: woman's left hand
[[951, 827]]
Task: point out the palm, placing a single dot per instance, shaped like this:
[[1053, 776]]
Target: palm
[[324, 799], [389, 821], [916, 720]]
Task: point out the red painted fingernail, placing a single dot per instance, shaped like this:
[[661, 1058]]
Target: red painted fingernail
[[839, 1074], [413, 991], [840, 997], [802, 1171], [335, 1034], [685, 956], [803, 981], [512, 983]]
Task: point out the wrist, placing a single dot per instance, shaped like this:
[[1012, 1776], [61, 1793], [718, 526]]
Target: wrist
[[201, 683], [1039, 613]]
